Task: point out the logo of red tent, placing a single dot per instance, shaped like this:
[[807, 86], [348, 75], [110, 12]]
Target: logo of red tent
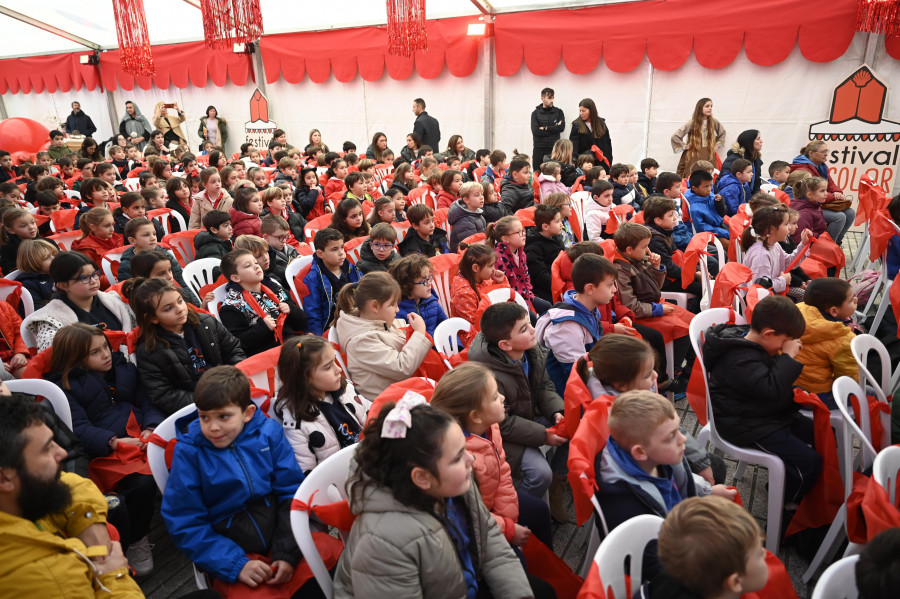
[[259, 107], [860, 96]]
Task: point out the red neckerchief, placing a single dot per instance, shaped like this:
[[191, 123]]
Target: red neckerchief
[[215, 203], [254, 305]]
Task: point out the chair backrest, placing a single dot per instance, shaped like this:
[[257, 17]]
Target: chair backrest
[[27, 336], [862, 346], [325, 484], [8, 287], [13, 275], [183, 244], [73, 194], [843, 389], [109, 262], [620, 556], [401, 229], [446, 335], [838, 581], [885, 469], [262, 370], [163, 216], [353, 249], [294, 267], [133, 184], [218, 297], [445, 268], [316, 225], [49, 391], [497, 296], [199, 273], [338, 352], [156, 455], [65, 239]]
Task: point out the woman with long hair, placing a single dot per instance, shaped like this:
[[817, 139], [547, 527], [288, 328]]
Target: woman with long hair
[[704, 135], [588, 130], [411, 150], [213, 128]]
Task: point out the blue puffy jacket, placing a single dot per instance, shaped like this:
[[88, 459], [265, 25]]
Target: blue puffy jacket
[[208, 485], [429, 309], [321, 302], [98, 412], [704, 215], [733, 192]]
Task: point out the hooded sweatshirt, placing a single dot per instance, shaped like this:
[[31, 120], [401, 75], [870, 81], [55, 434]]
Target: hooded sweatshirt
[[826, 353], [464, 223], [139, 125]]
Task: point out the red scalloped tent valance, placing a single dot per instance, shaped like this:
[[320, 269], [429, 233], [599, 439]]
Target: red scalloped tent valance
[[666, 32], [364, 50]]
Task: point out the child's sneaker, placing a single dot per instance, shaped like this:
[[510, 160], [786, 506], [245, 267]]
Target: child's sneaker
[[140, 557]]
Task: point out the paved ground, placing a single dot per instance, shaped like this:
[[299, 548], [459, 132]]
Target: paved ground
[[173, 575]]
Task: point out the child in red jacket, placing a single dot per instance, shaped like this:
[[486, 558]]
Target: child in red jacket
[[245, 212], [98, 234]]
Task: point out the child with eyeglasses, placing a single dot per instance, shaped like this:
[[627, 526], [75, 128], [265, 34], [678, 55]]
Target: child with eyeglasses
[[415, 274]]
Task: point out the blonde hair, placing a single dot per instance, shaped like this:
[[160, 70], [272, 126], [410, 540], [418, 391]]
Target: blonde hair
[[375, 286], [806, 186], [703, 165], [794, 178], [93, 217], [557, 198], [497, 230], [253, 244], [721, 535], [562, 150], [32, 253], [635, 415], [269, 194], [462, 391], [468, 188]]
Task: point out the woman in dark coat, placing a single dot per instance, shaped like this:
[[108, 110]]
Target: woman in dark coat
[[590, 130]]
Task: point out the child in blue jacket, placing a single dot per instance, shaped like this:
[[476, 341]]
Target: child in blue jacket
[[329, 272], [415, 274], [734, 187], [705, 208], [232, 480]]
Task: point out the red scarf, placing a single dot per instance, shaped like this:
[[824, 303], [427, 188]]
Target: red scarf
[[262, 313]]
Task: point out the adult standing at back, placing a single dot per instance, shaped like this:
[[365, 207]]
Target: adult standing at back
[[134, 126], [169, 125], [213, 128], [748, 146], [838, 214], [426, 125], [78, 122], [547, 122], [704, 134], [590, 130]]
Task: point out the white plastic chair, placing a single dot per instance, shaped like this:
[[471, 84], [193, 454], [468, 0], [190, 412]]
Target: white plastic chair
[[333, 339], [442, 281], [326, 483], [163, 220], [293, 268], [446, 335], [624, 548], [73, 194], [773, 463], [156, 458], [497, 296], [55, 396], [65, 239], [218, 297], [26, 335], [862, 346], [843, 388], [25, 297], [132, 184], [13, 275], [578, 199], [106, 263], [883, 284], [680, 299], [838, 581], [199, 273], [885, 469]]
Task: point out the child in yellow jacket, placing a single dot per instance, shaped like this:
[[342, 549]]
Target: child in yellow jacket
[[826, 353]]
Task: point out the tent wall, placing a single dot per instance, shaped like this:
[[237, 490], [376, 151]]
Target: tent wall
[[642, 107]]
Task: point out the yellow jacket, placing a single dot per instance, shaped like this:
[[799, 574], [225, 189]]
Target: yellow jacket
[[826, 352], [46, 559]]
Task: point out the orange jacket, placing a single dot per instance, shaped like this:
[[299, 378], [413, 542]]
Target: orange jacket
[[464, 302], [9, 327], [93, 247], [495, 479]]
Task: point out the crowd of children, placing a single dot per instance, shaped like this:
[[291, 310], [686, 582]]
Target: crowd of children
[[584, 251]]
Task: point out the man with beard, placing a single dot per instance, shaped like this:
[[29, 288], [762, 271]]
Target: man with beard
[[51, 523], [547, 122], [79, 122]]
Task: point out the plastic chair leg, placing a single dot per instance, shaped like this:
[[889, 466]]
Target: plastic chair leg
[[593, 544], [829, 546], [882, 308], [739, 471], [703, 436], [776, 504], [670, 366]]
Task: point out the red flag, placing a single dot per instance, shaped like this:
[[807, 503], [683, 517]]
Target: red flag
[[695, 249], [587, 442], [881, 229], [127, 459], [546, 565], [732, 276]]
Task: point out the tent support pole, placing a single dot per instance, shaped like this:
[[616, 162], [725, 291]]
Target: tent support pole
[[3, 114], [111, 112], [488, 63], [872, 40], [48, 28], [650, 73]]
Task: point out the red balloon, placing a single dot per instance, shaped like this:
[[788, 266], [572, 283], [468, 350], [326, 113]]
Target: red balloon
[[19, 134]]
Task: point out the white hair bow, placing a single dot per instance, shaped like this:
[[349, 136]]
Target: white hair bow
[[398, 420]]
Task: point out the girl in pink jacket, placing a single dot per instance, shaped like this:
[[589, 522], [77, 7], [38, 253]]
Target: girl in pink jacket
[[469, 394]]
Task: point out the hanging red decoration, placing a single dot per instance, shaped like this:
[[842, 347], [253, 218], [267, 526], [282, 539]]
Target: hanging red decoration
[[878, 16], [134, 40], [229, 22], [406, 27]]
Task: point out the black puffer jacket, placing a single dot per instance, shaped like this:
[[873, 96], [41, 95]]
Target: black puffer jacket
[[752, 392], [167, 372], [582, 142], [368, 262], [541, 252], [546, 125], [514, 197]]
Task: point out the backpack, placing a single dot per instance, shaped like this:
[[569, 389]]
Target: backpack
[[862, 284]]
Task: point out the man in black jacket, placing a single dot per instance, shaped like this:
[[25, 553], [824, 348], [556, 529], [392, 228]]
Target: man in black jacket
[[547, 122], [426, 125], [79, 122]]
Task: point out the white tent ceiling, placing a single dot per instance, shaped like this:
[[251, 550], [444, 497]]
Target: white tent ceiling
[[171, 21]]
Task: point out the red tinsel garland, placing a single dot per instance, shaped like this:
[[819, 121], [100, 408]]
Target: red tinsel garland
[[229, 22], [878, 16], [134, 40], [406, 27]]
